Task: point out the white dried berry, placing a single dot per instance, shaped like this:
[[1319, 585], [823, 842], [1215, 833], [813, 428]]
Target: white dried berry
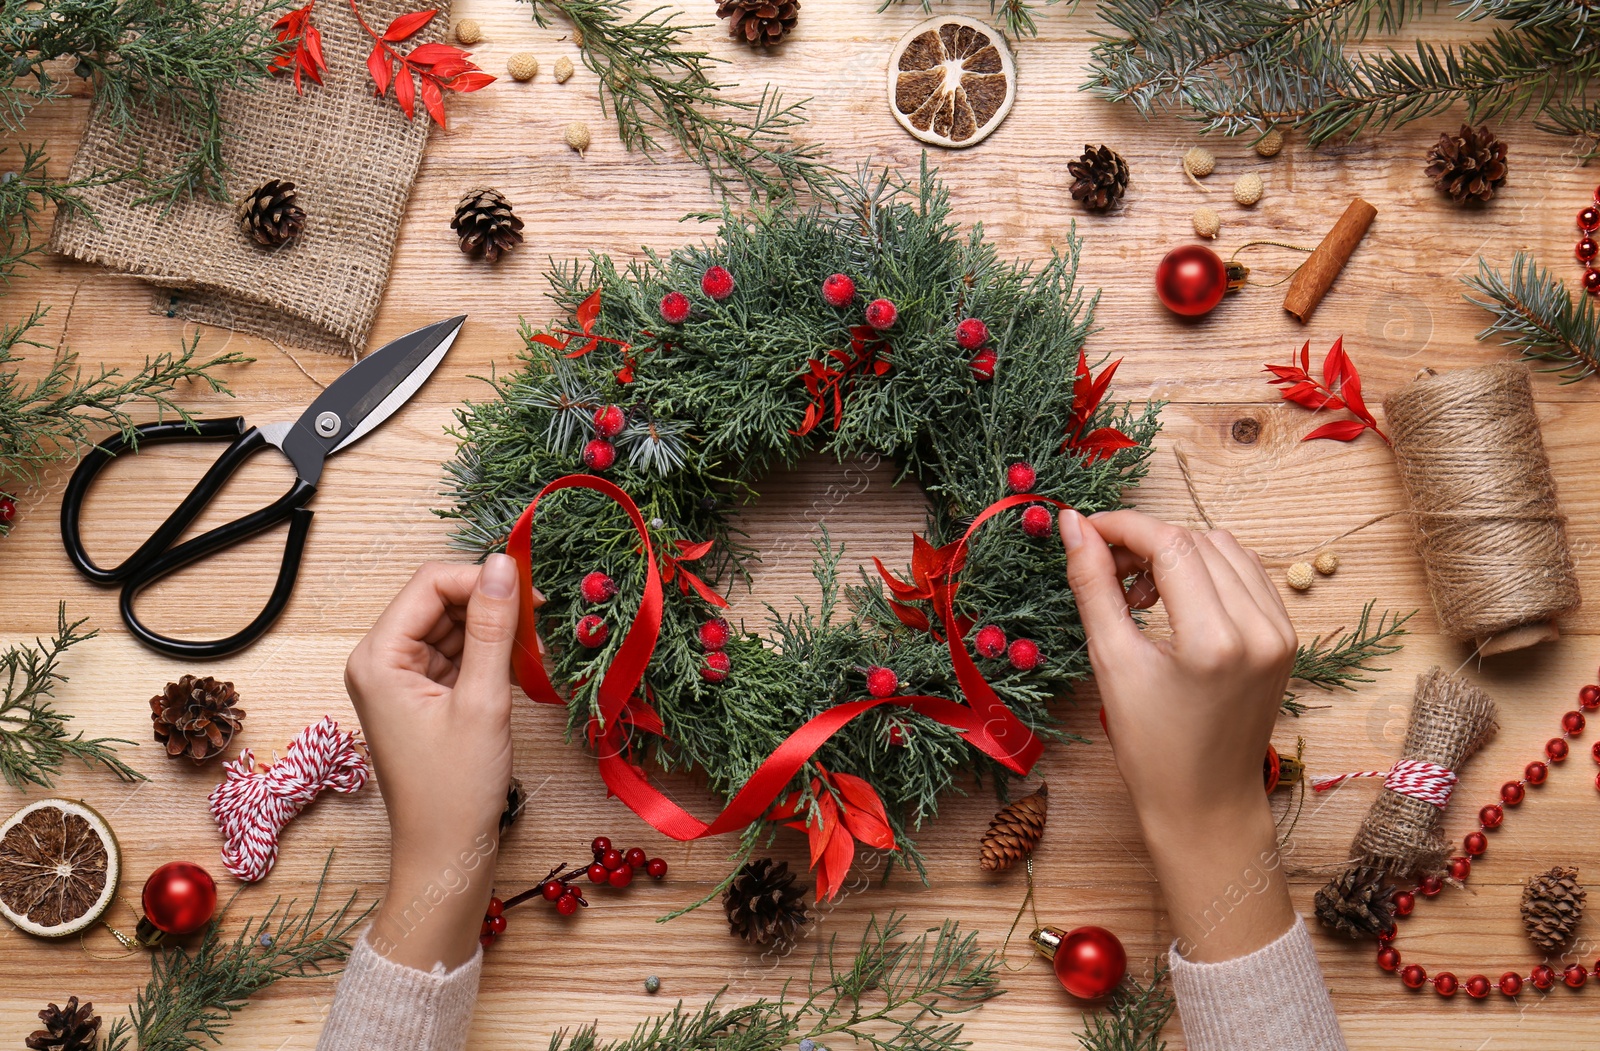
[[468, 32], [1247, 191], [577, 136], [563, 70], [1300, 577], [1207, 223], [1270, 144], [522, 66], [1326, 562]]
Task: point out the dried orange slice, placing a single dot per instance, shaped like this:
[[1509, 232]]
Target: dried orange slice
[[59, 865], [951, 81]]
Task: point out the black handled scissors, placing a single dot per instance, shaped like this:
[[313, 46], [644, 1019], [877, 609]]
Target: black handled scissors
[[368, 393]]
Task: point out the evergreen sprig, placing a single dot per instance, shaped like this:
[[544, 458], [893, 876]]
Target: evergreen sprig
[[33, 734], [1134, 1019], [1340, 659], [194, 992], [656, 86], [1016, 16], [895, 992], [25, 193], [1536, 315]]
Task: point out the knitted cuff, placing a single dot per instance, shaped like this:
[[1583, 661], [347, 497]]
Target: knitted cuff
[[381, 1005]]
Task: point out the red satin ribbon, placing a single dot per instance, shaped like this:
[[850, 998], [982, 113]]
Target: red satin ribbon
[[987, 724]]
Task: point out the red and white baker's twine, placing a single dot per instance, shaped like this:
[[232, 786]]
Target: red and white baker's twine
[[1416, 778], [253, 806]]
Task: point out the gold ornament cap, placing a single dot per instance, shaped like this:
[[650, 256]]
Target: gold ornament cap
[[1046, 940]]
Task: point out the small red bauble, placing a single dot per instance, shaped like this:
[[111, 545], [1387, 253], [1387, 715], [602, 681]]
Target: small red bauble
[[881, 314], [1555, 750], [1589, 697], [882, 682], [179, 898], [496, 908], [596, 587], [983, 363], [1020, 477], [635, 857], [972, 334], [1536, 773], [991, 641], [599, 454], [1491, 816], [592, 631], [717, 283], [715, 633], [1591, 280], [1476, 843], [1023, 654], [600, 845], [1460, 869], [1404, 902], [497, 925], [1595, 751], [1511, 793], [551, 890], [621, 877], [674, 308], [1191, 280], [1542, 977], [613, 860], [1575, 976], [567, 904], [1414, 976], [1586, 250], [656, 867], [1589, 219], [1090, 962], [609, 421], [1388, 957], [1036, 521], [838, 290], [1478, 987], [598, 873], [8, 506], [1444, 983], [1511, 983], [1573, 723], [1432, 885]]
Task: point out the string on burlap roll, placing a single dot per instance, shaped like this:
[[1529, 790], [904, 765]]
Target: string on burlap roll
[[1484, 516], [1416, 778]]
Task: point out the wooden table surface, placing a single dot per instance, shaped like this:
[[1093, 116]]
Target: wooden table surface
[[1398, 305]]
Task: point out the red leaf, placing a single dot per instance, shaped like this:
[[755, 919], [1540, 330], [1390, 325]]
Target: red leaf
[[1308, 395], [835, 865], [431, 53], [313, 46], [688, 552], [1342, 376], [1099, 444], [1338, 430], [405, 91], [901, 589], [914, 619], [1305, 358], [823, 824], [378, 67], [472, 80], [1286, 374], [407, 25], [433, 99], [863, 811], [588, 310]]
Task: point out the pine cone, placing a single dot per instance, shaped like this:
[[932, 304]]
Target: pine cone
[[486, 226], [1357, 902], [1469, 164], [763, 904], [759, 23], [1099, 177], [1552, 905], [272, 216], [197, 716], [69, 1028], [1014, 832]]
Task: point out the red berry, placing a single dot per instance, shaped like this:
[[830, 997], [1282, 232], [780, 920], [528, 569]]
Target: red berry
[[1020, 477], [1476, 843], [597, 873], [714, 634], [972, 334], [1024, 654], [1478, 987], [1444, 983], [613, 860], [838, 290], [881, 314], [1460, 869], [1555, 750], [600, 845], [1511, 983], [567, 904], [486, 940], [1589, 697], [882, 682], [1542, 977], [484, 929], [1536, 773], [656, 867], [552, 889], [636, 857], [592, 631], [1431, 886], [1036, 521], [621, 877], [717, 283], [1404, 902], [897, 737], [596, 587], [497, 925], [716, 667], [1491, 816], [991, 641], [496, 908], [1573, 723], [1511, 793], [609, 421], [599, 454], [1388, 957], [983, 364], [1413, 976], [8, 510], [674, 308], [1575, 976]]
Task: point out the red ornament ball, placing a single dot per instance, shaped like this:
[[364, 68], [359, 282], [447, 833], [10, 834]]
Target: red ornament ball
[[609, 421], [1573, 723], [972, 334], [1414, 976], [1037, 520], [1512, 793], [838, 290], [1090, 962], [1555, 750], [1388, 957], [1589, 698], [1404, 902], [1511, 983], [1586, 250], [882, 682], [991, 641], [1020, 477], [983, 364], [621, 877], [715, 633], [716, 667], [1591, 280], [1478, 987], [1444, 983], [656, 868], [179, 898], [1024, 654], [1575, 976], [596, 587], [1476, 843], [567, 904], [1460, 869], [598, 873], [1589, 219], [592, 631], [1542, 976], [881, 314], [1431, 885], [1536, 773], [8, 506], [1491, 816], [599, 454], [717, 283], [1191, 280], [674, 308]]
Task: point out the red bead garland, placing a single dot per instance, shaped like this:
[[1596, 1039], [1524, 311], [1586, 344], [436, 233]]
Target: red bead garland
[[1585, 252], [1476, 843]]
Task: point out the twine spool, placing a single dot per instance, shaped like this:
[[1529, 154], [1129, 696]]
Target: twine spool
[[1484, 515]]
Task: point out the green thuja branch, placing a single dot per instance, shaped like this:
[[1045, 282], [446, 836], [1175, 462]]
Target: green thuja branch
[[33, 735], [25, 193], [1340, 659], [1536, 315], [1134, 1019]]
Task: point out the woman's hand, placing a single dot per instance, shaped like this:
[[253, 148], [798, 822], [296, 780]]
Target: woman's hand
[[1190, 716], [431, 684]]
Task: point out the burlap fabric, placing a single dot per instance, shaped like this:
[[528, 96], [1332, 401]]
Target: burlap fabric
[[1450, 720], [353, 158]]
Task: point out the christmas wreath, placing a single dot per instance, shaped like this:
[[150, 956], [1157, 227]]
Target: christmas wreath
[[611, 462]]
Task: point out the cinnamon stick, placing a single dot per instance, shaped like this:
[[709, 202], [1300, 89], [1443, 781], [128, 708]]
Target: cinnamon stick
[[1312, 280]]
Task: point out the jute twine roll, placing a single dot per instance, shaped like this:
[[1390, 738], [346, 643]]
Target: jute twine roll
[[1484, 515], [1450, 720]]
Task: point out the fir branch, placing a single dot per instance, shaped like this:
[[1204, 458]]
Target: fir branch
[[1580, 120], [1016, 16], [33, 734], [1134, 1019], [654, 85], [193, 993], [1339, 659], [1535, 315], [895, 992]]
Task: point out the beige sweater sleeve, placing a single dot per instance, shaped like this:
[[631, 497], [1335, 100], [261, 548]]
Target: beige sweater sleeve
[[1274, 997], [384, 1006]]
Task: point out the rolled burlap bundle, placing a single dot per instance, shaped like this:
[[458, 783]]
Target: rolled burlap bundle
[[1484, 516]]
